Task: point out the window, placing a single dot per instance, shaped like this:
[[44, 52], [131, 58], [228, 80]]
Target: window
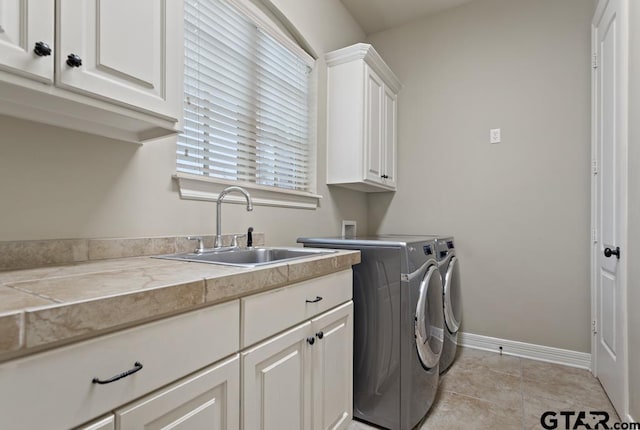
[[248, 101]]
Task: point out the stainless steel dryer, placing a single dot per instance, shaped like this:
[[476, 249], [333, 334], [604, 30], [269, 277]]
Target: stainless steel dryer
[[398, 327], [452, 300]]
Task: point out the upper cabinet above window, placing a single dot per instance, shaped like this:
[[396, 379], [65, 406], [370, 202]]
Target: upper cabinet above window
[[112, 68], [361, 120]]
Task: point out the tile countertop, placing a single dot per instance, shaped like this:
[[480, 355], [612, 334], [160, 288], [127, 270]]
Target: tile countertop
[[51, 306]]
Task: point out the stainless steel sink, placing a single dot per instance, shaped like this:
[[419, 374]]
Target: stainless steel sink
[[247, 257]]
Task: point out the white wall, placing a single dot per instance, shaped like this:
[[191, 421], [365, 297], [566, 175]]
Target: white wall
[[56, 183], [519, 209], [633, 287]]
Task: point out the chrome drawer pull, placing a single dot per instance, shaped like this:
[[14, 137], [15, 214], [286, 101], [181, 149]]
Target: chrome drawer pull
[[137, 367], [316, 300]]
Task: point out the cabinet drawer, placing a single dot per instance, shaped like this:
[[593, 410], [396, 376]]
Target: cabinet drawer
[[208, 399], [54, 389], [273, 311]]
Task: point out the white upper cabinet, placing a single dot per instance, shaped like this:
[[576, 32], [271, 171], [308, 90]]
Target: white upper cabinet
[[26, 38], [122, 51], [111, 68], [361, 120], [390, 130]]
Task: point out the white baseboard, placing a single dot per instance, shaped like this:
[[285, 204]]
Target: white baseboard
[[526, 350]]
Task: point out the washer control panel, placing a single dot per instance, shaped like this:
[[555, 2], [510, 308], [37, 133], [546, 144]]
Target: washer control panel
[[444, 247]]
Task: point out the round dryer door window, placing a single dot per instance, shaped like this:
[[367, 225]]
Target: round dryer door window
[[429, 320], [452, 301]]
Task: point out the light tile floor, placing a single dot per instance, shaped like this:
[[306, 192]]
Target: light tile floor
[[488, 391]]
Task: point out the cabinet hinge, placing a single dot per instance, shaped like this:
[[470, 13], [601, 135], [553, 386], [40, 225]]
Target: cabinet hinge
[[594, 61], [594, 235], [594, 167], [594, 327]]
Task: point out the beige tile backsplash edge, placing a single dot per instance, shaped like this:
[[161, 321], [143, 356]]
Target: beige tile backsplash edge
[[41, 253]]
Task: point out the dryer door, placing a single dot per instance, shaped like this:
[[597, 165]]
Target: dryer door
[[428, 319], [452, 301]]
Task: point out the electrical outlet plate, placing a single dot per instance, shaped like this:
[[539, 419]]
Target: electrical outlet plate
[[348, 229], [494, 135]]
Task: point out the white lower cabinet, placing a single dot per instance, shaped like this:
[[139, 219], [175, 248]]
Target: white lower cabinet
[[292, 370], [301, 379], [71, 385], [276, 383], [209, 399], [332, 369]]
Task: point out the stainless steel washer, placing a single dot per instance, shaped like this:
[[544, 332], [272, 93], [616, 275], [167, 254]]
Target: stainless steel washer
[[398, 327], [452, 299]]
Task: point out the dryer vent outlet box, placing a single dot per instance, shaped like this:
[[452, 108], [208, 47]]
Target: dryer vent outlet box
[[348, 229]]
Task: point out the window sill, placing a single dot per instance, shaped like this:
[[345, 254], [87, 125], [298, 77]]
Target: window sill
[[194, 187]]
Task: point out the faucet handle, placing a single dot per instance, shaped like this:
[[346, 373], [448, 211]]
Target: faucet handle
[[200, 248], [234, 241]]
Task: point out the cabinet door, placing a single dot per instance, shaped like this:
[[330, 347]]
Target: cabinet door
[[104, 423], [390, 133], [22, 25], [373, 142], [333, 369], [210, 400], [131, 52], [276, 384]]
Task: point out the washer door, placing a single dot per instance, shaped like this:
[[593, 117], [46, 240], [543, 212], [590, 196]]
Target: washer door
[[428, 319], [452, 302]]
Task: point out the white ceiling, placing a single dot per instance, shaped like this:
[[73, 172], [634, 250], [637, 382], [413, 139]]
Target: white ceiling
[[378, 15]]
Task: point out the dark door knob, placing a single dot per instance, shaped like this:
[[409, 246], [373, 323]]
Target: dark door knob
[[608, 252], [320, 335], [311, 340], [42, 49], [74, 60]]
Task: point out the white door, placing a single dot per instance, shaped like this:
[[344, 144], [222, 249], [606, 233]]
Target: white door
[[122, 50], [23, 25], [609, 258], [373, 143], [276, 382], [210, 400], [333, 369]]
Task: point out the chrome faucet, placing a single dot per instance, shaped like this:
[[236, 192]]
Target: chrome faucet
[[223, 193]]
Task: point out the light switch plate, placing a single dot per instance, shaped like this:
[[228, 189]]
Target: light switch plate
[[494, 135]]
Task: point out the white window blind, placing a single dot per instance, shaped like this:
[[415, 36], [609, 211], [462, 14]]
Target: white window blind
[[247, 101]]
